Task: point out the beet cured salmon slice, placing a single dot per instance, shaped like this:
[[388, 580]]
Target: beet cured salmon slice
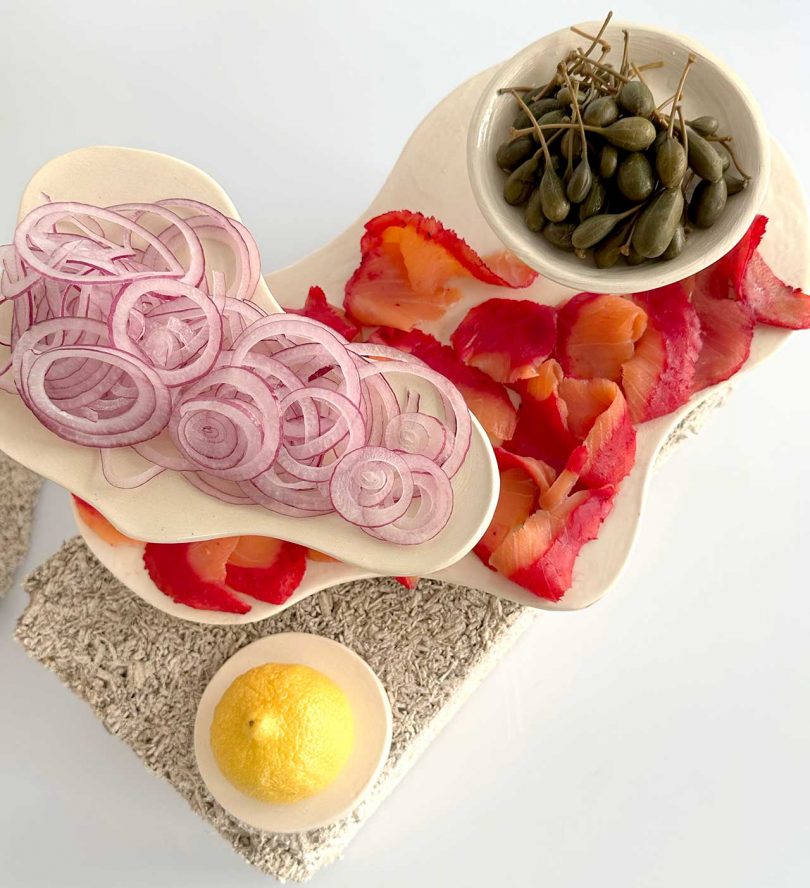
[[597, 333], [510, 269], [506, 338], [659, 377], [517, 498], [91, 516], [726, 330], [315, 555], [194, 573], [540, 472], [486, 399], [773, 301], [407, 261], [598, 416], [581, 427], [730, 269], [319, 309], [540, 553], [542, 425], [267, 569]]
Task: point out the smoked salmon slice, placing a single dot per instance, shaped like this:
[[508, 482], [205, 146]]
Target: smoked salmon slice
[[659, 377], [506, 338], [517, 499], [598, 417], [597, 333], [194, 574], [319, 309], [407, 261], [542, 426], [726, 330], [100, 525], [265, 568], [540, 553], [773, 301]]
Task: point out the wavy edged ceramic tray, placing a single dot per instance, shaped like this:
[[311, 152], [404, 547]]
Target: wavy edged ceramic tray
[[160, 510], [441, 188]]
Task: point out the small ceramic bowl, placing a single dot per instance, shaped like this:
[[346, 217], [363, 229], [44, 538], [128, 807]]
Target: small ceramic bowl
[[711, 89], [373, 725]]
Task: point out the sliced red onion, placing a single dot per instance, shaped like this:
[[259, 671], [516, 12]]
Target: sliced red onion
[[175, 365], [125, 333], [369, 470], [146, 417], [116, 479], [417, 433], [433, 498]]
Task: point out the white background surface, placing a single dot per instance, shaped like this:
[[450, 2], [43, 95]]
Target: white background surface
[[661, 738]]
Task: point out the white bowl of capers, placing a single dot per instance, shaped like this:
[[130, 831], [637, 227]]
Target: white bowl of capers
[[617, 157]]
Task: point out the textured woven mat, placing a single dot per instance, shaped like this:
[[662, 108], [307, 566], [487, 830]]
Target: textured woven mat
[[143, 672], [20, 488]]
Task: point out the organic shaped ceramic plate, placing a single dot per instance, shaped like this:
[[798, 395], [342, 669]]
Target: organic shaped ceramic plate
[[372, 719], [161, 509], [419, 182]]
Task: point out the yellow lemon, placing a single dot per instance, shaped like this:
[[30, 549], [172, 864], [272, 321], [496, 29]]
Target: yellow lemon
[[282, 732]]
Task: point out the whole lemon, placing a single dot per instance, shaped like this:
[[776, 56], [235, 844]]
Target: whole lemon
[[282, 732]]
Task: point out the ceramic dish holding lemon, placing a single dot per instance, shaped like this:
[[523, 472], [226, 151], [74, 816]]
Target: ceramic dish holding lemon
[[291, 732]]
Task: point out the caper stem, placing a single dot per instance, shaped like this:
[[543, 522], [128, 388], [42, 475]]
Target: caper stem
[[665, 103], [577, 118], [602, 67], [684, 131], [596, 79], [535, 127], [561, 126], [726, 142], [625, 52], [676, 101], [598, 39], [624, 249]]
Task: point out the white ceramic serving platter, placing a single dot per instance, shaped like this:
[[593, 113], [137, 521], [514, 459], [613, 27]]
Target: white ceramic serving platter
[[431, 176], [372, 718], [711, 88], [160, 510]]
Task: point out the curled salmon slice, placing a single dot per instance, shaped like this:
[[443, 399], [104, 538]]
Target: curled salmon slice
[[598, 416], [659, 377], [597, 333], [407, 263], [773, 301], [581, 427], [542, 419], [540, 553], [517, 499]]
